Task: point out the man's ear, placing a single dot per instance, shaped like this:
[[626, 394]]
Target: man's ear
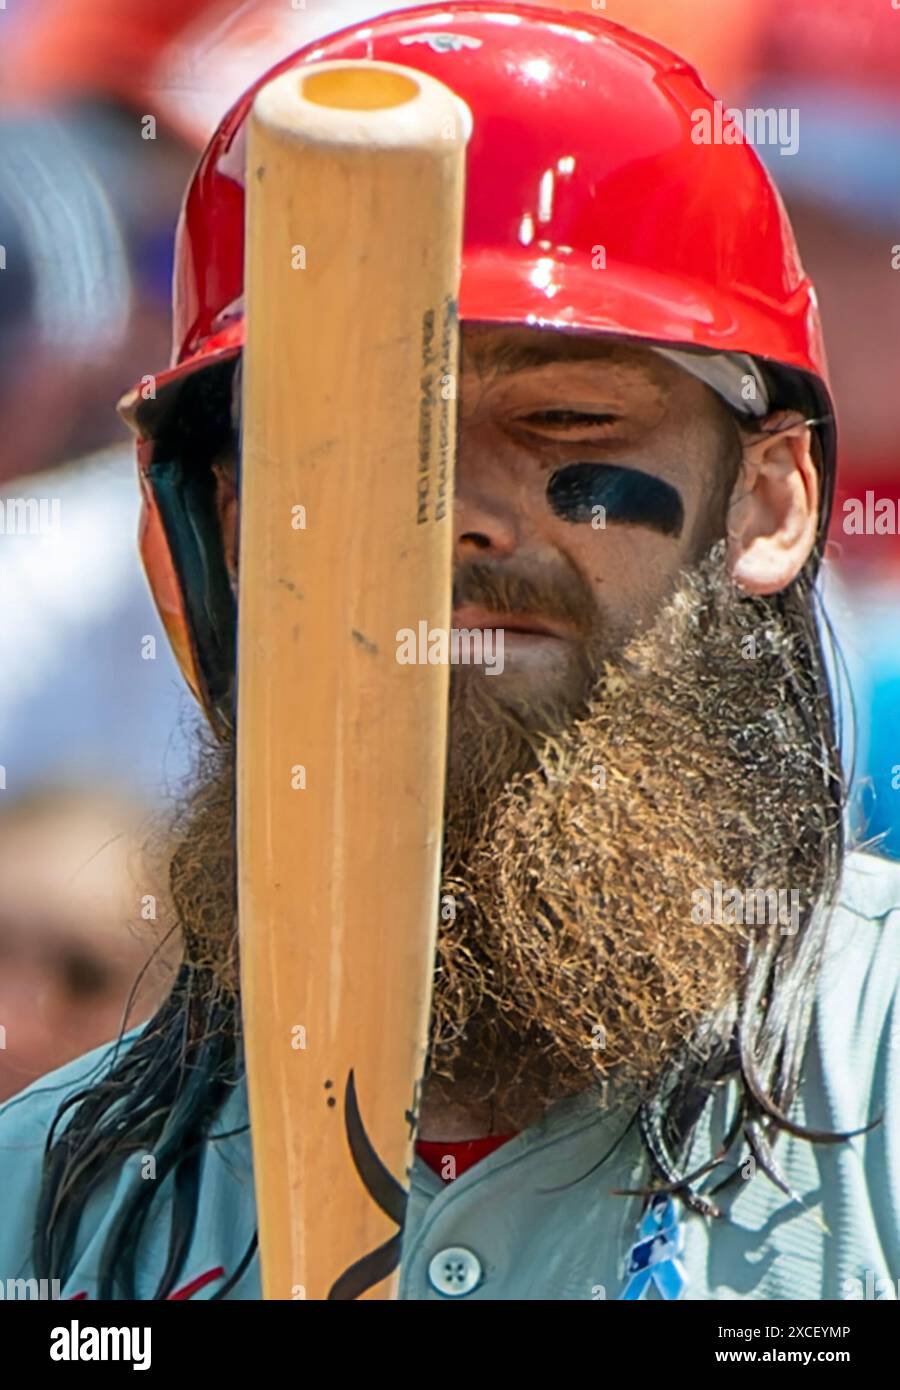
[[773, 515]]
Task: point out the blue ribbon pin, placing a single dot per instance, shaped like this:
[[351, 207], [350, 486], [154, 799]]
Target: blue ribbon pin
[[653, 1259]]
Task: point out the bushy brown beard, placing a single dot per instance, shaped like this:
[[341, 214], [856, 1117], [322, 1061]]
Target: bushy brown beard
[[575, 836], [202, 865], [567, 951]]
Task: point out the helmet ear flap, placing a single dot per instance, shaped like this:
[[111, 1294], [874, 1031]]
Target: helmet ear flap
[[194, 430], [236, 387]]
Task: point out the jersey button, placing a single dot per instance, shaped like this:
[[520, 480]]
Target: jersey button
[[454, 1272]]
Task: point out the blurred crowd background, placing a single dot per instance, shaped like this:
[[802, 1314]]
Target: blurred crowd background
[[94, 724]]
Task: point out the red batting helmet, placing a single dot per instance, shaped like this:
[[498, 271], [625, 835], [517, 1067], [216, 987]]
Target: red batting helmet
[[584, 154]]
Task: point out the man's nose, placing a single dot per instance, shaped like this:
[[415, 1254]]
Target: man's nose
[[489, 507]]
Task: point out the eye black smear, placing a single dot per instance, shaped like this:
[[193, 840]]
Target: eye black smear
[[626, 494]]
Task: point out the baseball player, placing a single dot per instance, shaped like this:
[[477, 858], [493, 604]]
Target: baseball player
[[662, 1061]]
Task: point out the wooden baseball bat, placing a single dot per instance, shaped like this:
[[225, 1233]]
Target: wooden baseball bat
[[355, 177]]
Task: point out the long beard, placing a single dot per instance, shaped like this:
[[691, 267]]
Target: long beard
[[576, 836], [569, 947]]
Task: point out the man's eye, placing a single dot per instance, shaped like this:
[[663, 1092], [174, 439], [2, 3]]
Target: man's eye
[[567, 419]]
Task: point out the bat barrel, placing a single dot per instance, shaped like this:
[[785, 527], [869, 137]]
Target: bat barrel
[[366, 104], [355, 176], [366, 87]]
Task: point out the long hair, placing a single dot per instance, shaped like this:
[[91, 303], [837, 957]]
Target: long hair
[[165, 1090], [162, 1092], [764, 1050]]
